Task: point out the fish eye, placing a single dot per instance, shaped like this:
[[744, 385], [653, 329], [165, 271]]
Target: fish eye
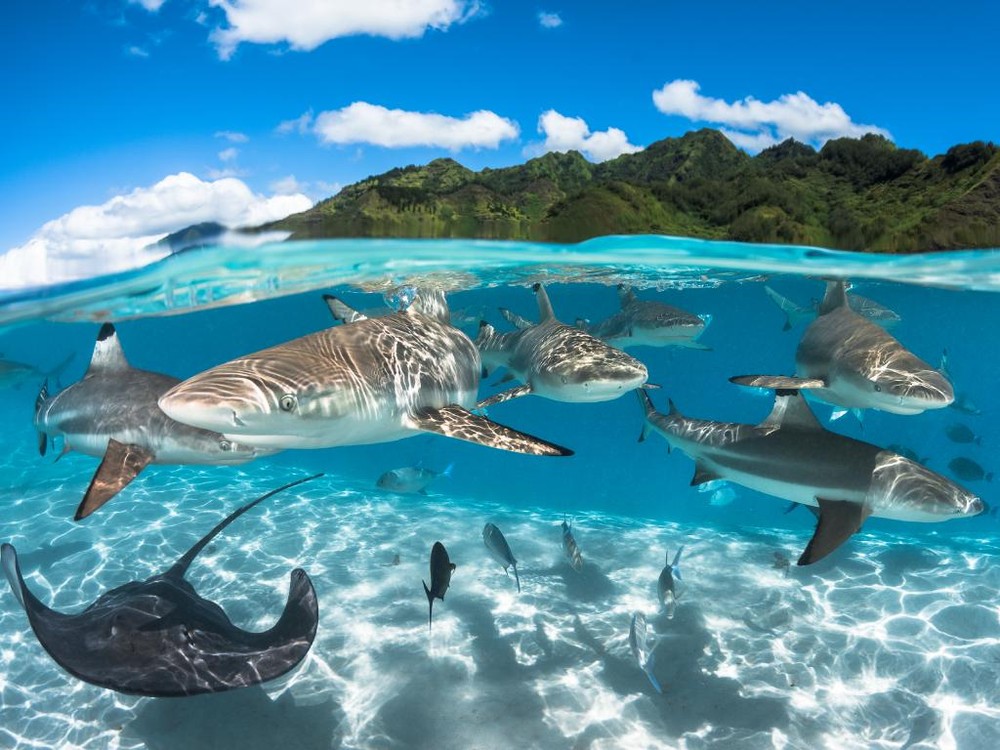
[[287, 402], [225, 446], [877, 387]]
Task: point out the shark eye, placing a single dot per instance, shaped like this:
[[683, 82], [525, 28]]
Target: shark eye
[[877, 387], [225, 446], [287, 402]]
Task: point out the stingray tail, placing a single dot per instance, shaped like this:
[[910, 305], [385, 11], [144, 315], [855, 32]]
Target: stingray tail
[[181, 565]]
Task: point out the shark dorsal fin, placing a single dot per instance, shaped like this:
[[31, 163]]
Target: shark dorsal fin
[[625, 295], [341, 311], [791, 410], [180, 567], [433, 304], [108, 353], [836, 296], [545, 312]]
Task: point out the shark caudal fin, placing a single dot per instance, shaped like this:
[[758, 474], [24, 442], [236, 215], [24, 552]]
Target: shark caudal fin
[[430, 606], [43, 396], [648, 410], [793, 313], [458, 422]]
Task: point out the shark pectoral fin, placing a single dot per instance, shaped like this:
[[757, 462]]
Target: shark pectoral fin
[[458, 422], [508, 395], [43, 443], [12, 570], [515, 320], [120, 465], [697, 345], [342, 311], [838, 520], [702, 475], [777, 382]]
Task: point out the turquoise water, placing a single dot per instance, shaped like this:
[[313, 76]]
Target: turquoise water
[[890, 642]]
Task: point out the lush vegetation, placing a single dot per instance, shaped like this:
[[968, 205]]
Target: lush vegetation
[[858, 194]]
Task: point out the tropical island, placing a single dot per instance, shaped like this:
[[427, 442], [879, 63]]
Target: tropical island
[[854, 193]]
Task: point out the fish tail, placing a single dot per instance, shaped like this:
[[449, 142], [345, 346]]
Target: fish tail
[[648, 669], [517, 578], [448, 470], [43, 395], [430, 605]]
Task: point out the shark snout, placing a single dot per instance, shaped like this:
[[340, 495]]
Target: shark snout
[[931, 391], [224, 407]]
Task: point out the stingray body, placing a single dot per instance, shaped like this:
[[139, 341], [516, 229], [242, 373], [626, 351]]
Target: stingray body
[[159, 638]]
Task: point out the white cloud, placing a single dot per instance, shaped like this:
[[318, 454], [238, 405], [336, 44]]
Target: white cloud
[[361, 122], [115, 236], [550, 20], [572, 134], [752, 142], [136, 51], [232, 136], [306, 24], [287, 185], [300, 124], [151, 5], [795, 115], [228, 154]]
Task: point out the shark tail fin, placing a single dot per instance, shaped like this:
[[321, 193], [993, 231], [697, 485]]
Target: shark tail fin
[[43, 395], [56, 372], [448, 470], [430, 605]]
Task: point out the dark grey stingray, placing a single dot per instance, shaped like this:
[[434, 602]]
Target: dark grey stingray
[[159, 638]]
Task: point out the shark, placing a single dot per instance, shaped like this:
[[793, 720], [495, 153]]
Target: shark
[[160, 638], [112, 414], [846, 360], [791, 456], [368, 380], [868, 308], [555, 360], [648, 323]]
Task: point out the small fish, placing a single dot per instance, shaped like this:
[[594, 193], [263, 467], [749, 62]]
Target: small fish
[[720, 493], [969, 470], [495, 542], [665, 584], [571, 548], [412, 479], [441, 569], [960, 433], [781, 562], [962, 401], [638, 641]]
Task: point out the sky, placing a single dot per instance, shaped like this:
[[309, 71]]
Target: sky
[[127, 119]]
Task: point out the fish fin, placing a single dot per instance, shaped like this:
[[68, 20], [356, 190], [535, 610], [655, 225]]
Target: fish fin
[[448, 471], [508, 395], [835, 297], [545, 311], [648, 669], [507, 377], [791, 410], [12, 570], [40, 399], [650, 387], [65, 449], [702, 475], [458, 422], [453, 567], [625, 295], [515, 320], [838, 520], [433, 304], [120, 465], [777, 382], [517, 578], [696, 345], [677, 559], [108, 353], [342, 311], [430, 605]]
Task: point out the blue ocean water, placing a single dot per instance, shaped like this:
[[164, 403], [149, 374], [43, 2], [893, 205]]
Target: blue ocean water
[[890, 642]]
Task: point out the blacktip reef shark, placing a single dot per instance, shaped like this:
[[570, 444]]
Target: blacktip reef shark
[[370, 380], [112, 414], [790, 456], [868, 308], [648, 323], [846, 360], [159, 638], [557, 361]]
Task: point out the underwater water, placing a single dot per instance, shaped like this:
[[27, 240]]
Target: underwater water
[[892, 641]]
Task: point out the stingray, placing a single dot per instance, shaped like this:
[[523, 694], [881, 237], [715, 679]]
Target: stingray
[[159, 638]]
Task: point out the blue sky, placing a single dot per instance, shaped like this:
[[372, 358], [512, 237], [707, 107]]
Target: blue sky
[[112, 96]]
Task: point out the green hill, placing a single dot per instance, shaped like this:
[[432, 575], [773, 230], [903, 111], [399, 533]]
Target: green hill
[[857, 194]]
